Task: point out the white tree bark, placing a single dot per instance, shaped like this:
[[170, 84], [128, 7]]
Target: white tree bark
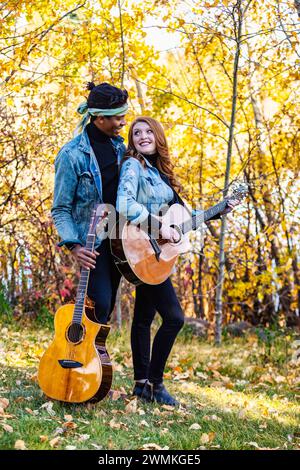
[[239, 15]]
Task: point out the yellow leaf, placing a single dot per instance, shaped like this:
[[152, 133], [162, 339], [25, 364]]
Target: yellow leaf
[[131, 407], [114, 425], [20, 445], [7, 427], [70, 425], [144, 424], [195, 426], [54, 442], [152, 446], [4, 402], [204, 438], [68, 417]]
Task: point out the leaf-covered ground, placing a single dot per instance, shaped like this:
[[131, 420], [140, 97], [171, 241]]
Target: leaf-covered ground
[[243, 395]]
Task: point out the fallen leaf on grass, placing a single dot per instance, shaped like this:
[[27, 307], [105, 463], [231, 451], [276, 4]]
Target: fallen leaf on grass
[[83, 437], [4, 402], [20, 445], [34, 378], [152, 446], [242, 414], [97, 446], [163, 431], [48, 406], [84, 421], [254, 444], [59, 431], [184, 376], [68, 418], [114, 425], [44, 438], [54, 442], [144, 424], [168, 407], [7, 427], [195, 426], [131, 407], [70, 425], [201, 375], [212, 418], [263, 426], [206, 438], [6, 416], [31, 412], [217, 384]]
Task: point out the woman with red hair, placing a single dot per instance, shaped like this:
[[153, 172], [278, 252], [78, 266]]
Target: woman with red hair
[[147, 184]]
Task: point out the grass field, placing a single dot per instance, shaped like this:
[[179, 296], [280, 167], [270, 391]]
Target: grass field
[[242, 395]]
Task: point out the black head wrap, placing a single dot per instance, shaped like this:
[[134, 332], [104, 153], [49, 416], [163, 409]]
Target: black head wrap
[[105, 96]]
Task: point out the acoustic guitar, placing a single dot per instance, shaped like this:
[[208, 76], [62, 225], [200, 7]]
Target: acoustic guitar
[[143, 259], [76, 367]]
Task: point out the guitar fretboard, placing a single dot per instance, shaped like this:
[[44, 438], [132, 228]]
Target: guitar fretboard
[[83, 283], [197, 220]]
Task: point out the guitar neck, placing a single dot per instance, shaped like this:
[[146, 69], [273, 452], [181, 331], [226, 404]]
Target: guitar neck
[[83, 283], [197, 220]]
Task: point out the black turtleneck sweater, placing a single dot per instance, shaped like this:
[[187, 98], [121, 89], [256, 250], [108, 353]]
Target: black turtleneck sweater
[[107, 161]]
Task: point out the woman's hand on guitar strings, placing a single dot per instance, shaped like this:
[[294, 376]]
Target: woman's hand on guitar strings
[[169, 233]]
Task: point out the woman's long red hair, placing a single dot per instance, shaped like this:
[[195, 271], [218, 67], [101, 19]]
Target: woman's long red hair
[[164, 163]]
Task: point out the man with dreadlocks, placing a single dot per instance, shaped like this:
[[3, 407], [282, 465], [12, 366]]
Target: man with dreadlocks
[[86, 173]]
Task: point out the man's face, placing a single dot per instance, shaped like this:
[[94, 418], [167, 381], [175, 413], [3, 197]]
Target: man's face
[[110, 125]]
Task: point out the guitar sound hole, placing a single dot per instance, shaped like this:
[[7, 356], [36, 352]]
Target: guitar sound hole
[[75, 332]]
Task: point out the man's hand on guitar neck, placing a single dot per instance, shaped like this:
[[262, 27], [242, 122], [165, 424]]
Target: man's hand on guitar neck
[[84, 257]]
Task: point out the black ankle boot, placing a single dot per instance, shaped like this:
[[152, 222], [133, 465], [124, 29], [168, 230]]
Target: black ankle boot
[[159, 394], [138, 389]]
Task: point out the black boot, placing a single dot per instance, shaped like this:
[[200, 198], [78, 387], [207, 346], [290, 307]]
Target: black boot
[[158, 393], [138, 389]]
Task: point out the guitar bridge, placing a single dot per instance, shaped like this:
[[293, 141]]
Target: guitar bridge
[[156, 248], [69, 364]]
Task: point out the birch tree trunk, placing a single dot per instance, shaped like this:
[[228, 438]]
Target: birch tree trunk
[[219, 290]]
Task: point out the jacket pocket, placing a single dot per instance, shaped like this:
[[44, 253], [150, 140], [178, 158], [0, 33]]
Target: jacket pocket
[[86, 188]]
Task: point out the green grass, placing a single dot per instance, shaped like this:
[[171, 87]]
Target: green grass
[[241, 396]]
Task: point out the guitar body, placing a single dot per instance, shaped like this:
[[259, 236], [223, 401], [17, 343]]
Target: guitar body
[[76, 367], [144, 260], [135, 256]]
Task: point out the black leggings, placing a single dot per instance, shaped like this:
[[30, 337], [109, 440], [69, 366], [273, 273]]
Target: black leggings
[[103, 283], [149, 299], [102, 289]]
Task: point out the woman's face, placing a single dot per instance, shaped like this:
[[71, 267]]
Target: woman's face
[[143, 138]]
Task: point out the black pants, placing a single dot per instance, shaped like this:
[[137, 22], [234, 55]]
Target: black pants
[[103, 283], [149, 299], [102, 289]]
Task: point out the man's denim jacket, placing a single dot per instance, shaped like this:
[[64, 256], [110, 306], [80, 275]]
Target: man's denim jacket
[[141, 191], [77, 188]]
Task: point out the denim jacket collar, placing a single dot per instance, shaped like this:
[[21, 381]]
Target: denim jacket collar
[[85, 145]]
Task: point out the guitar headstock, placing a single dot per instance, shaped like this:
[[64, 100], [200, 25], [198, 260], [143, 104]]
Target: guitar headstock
[[239, 191], [99, 219]]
